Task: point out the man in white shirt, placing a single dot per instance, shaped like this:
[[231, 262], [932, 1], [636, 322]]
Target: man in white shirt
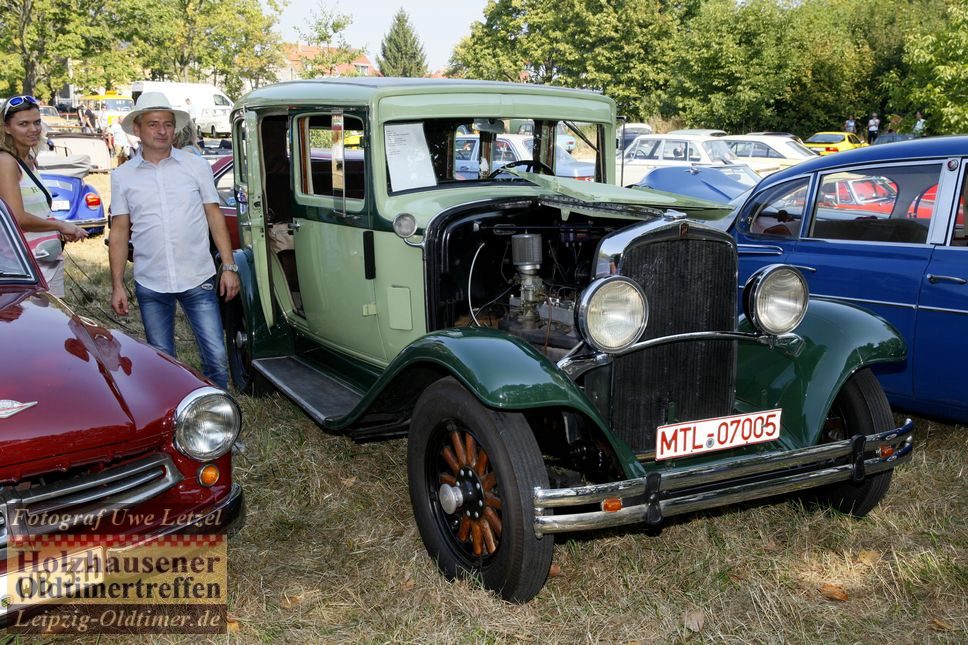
[[165, 201]]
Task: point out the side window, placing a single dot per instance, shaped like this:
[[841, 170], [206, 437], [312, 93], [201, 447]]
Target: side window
[[958, 237], [503, 152], [463, 149], [331, 157], [741, 148], [890, 204], [778, 212], [674, 150], [693, 154], [226, 193], [648, 149], [221, 101]]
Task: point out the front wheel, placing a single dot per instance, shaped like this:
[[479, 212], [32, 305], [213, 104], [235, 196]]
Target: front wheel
[[472, 471], [860, 408]]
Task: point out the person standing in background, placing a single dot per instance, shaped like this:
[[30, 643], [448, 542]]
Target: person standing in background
[[28, 198], [919, 124], [873, 127], [850, 125]]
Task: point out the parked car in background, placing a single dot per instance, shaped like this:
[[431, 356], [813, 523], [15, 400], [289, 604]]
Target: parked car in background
[[564, 137], [788, 135], [53, 119], [826, 143], [208, 106], [94, 423], [75, 201], [515, 149], [714, 183], [699, 132], [108, 107], [891, 137], [882, 227], [767, 153], [222, 172], [562, 355], [651, 151], [626, 133]]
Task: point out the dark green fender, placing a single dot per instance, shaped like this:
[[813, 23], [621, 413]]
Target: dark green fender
[[836, 340]]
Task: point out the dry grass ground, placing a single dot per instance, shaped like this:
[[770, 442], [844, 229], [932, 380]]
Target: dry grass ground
[[330, 552]]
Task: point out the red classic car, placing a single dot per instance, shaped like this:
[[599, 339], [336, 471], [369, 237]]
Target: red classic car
[[94, 423]]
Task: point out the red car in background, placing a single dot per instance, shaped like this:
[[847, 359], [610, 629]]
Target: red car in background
[[93, 422]]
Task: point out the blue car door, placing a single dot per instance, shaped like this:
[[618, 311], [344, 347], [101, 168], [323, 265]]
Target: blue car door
[[942, 330], [866, 243], [768, 227]]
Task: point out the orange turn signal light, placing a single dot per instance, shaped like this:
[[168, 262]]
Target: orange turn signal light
[[886, 451], [611, 505], [208, 475]]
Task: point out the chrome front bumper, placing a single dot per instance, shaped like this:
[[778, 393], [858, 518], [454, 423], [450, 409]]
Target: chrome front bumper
[[663, 494]]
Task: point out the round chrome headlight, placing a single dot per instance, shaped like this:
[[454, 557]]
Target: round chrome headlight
[[612, 313], [207, 421], [775, 299]]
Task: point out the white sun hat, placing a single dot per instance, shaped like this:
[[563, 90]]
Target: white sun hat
[[152, 102]]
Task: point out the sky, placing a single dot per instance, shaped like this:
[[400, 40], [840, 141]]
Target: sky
[[438, 25]]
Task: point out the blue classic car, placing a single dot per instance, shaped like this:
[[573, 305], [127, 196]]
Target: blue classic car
[[884, 228], [75, 201]]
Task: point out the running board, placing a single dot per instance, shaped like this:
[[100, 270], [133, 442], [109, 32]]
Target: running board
[[320, 396]]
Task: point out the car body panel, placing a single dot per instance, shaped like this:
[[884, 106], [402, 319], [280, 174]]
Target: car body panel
[[72, 202], [887, 274], [650, 151]]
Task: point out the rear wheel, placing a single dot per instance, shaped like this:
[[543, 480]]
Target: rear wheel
[[236, 344], [860, 408], [472, 471]]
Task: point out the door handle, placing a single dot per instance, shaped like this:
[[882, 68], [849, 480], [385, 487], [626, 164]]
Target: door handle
[[935, 279], [292, 226]]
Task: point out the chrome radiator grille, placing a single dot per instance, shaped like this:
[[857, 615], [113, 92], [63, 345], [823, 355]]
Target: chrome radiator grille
[[690, 283], [27, 511]]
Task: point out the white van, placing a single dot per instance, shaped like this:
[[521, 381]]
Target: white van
[[209, 106]]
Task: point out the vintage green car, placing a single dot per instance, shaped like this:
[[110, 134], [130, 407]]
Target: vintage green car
[[562, 355]]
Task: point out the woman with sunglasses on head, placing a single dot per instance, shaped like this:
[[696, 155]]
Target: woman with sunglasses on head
[[23, 191]]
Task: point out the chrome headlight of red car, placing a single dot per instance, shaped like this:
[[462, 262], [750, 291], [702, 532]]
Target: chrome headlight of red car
[[207, 421]]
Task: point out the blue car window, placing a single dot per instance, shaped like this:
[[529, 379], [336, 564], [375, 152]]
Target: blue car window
[[778, 212], [891, 204]]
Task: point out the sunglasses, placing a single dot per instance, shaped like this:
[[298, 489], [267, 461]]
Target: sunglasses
[[17, 101]]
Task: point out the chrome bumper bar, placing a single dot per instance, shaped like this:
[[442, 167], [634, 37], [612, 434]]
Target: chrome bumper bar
[[663, 494]]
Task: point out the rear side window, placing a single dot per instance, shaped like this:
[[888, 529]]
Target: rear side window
[[778, 212], [331, 156], [890, 204]]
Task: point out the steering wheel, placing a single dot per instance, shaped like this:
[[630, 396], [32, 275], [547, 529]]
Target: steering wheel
[[530, 164]]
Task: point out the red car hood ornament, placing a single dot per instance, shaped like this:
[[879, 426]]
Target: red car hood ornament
[[9, 408]]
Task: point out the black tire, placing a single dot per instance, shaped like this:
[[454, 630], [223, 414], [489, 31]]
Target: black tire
[[455, 440], [240, 362], [861, 407], [213, 132]]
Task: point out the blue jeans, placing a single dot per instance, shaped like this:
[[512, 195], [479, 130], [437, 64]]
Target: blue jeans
[[200, 305]]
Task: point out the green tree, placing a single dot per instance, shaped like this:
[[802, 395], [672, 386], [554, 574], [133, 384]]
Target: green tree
[[401, 53], [326, 32], [938, 80], [617, 47]]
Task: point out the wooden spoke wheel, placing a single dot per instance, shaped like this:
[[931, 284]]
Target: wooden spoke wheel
[[472, 471]]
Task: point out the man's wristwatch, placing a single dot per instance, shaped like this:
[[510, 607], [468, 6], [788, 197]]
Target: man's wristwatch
[[234, 268]]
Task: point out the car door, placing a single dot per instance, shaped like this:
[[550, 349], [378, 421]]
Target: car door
[[332, 241], [941, 343], [872, 254], [638, 160], [768, 227]]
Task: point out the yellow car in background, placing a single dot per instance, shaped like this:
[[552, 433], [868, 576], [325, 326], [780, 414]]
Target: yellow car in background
[[827, 142]]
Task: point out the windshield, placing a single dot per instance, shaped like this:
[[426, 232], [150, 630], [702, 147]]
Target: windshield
[[826, 137], [119, 105], [718, 151], [800, 149], [458, 151], [13, 263]]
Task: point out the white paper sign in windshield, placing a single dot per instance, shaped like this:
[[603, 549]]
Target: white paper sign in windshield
[[408, 157]]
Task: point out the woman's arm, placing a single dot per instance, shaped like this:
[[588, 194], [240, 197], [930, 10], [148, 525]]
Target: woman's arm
[[10, 193]]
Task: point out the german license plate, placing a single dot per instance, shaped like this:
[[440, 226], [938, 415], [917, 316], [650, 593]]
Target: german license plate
[[698, 437], [60, 205]]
